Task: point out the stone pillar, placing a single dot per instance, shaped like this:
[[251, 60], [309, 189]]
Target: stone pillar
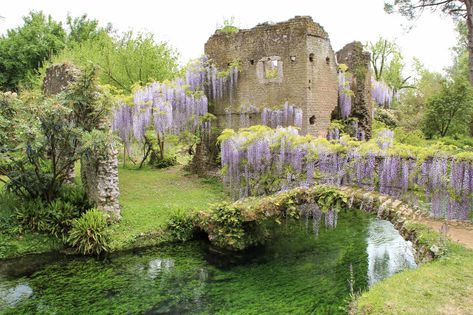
[[99, 166], [358, 63], [99, 172]]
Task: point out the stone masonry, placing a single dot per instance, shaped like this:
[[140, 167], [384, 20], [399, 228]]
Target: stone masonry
[[303, 65]]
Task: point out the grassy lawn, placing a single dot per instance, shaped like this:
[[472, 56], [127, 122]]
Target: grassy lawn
[[149, 196], [444, 286]]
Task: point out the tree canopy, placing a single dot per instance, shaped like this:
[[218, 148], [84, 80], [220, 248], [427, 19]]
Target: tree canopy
[[24, 49]]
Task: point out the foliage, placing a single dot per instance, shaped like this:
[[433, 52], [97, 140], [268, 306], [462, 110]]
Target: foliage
[[228, 26], [89, 234], [457, 9], [123, 61], [167, 161], [180, 226], [386, 116], [410, 110], [388, 64], [225, 226], [449, 111], [8, 203], [54, 218], [76, 195], [24, 49], [82, 29], [259, 161]]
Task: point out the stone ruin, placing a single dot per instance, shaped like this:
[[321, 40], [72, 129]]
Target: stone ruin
[[99, 169], [302, 69]]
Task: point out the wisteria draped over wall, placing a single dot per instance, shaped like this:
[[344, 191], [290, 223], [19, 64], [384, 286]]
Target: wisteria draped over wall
[[288, 116], [261, 160], [204, 76]]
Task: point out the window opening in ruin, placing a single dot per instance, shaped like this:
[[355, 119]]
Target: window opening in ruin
[[269, 69], [311, 57], [293, 58], [252, 62], [327, 60], [312, 120]]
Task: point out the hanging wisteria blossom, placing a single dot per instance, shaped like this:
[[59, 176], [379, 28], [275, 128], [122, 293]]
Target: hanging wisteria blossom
[[381, 93], [344, 94]]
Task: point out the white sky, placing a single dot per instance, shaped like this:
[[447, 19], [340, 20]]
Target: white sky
[[186, 25]]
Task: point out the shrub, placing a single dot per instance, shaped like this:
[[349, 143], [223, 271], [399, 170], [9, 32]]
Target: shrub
[[164, 162], [76, 195], [386, 116], [89, 234], [180, 226], [8, 203], [225, 226], [54, 218]]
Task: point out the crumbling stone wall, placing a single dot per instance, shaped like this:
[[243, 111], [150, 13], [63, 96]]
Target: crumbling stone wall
[[99, 167], [358, 62], [58, 78], [304, 65]]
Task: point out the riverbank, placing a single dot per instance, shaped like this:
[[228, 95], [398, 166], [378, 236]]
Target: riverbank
[[148, 197]]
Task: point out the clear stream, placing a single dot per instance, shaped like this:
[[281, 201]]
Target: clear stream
[[296, 273]]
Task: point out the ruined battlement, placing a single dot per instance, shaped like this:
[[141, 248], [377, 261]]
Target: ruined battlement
[[291, 61]]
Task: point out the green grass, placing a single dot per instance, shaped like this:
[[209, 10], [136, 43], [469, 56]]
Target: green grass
[[148, 197], [443, 286]]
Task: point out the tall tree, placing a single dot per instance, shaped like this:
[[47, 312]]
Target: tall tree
[[458, 9], [388, 64], [381, 51], [81, 29], [24, 49], [126, 60], [448, 111]]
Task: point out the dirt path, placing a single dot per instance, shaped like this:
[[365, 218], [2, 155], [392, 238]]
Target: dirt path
[[461, 232]]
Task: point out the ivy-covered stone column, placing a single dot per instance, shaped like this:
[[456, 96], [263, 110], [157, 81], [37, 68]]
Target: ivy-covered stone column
[[358, 62]]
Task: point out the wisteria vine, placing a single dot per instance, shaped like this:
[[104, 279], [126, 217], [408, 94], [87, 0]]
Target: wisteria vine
[[259, 160]]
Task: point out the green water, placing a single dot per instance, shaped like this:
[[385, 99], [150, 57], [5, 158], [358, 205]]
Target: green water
[[296, 273]]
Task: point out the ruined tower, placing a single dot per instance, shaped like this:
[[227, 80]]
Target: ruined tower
[[291, 61]]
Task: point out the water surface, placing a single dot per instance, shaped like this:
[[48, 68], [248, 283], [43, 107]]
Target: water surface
[[295, 273]]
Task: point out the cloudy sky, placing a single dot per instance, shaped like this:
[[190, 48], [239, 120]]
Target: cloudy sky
[[186, 25]]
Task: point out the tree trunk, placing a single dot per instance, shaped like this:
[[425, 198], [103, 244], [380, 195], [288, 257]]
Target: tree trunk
[[469, 24]]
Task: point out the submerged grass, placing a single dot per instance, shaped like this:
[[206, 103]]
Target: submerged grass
[[443, 286]]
